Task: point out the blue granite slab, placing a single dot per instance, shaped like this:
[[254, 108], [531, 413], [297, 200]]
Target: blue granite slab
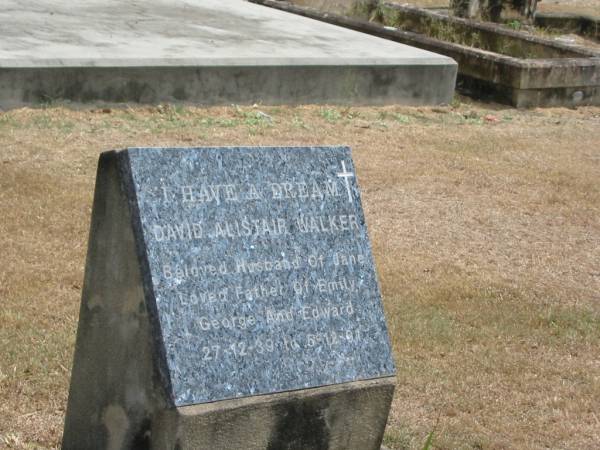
[[261, 269]]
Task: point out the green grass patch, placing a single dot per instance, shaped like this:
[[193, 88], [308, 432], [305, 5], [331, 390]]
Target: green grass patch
[[331, 115]]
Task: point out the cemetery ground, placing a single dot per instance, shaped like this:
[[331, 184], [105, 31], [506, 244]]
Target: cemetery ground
[[485, 226]]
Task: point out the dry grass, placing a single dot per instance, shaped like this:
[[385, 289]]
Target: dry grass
[[485, 225]]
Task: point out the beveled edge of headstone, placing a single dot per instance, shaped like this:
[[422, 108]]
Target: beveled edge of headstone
[[159, 356]]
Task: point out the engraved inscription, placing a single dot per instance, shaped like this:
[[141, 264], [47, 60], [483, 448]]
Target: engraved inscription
[[266, 227]]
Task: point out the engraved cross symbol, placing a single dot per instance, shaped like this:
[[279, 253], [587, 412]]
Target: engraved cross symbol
[[345, 175]]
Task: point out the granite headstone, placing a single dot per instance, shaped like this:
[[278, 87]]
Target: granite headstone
[[223, 284]]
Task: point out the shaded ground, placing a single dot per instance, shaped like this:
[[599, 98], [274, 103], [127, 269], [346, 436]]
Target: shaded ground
[[591, 7], [485, 224]]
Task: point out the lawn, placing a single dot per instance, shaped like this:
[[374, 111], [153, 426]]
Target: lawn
[[485, 225]]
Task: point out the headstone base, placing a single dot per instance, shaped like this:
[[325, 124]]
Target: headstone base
[[349, 416]]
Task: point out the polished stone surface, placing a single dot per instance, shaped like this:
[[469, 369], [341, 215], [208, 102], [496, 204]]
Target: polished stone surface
[[261, 269]]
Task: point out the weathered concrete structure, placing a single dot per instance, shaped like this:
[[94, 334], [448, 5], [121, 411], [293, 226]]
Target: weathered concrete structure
[[205, 52], [494, 62]]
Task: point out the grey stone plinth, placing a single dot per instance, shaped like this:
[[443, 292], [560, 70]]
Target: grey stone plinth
[[116, 384], [203, 51], [350, 416]]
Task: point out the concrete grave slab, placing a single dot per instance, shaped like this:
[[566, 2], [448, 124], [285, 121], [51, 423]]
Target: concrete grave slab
[[203, 51]]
